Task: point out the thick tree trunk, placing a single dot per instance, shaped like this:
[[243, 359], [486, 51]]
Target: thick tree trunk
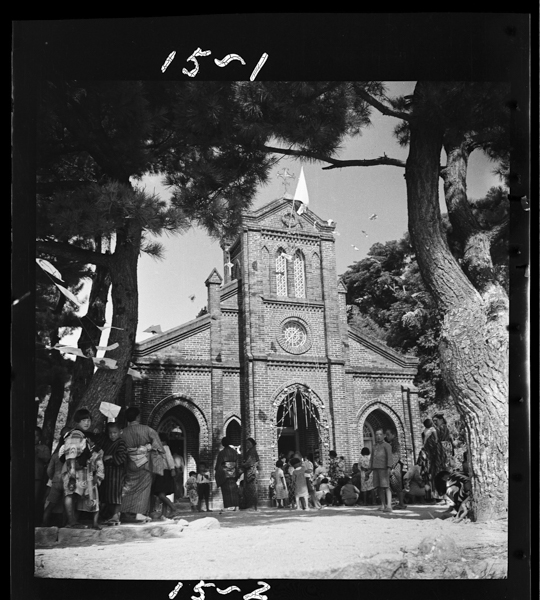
[[90, 337], [474, 347], [105, 385]]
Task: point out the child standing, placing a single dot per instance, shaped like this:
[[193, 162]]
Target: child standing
[[301, 491], [366, 484], [281, 491], [82, 471], [114, 460], [55, 483], [191, 490], [203, 486]]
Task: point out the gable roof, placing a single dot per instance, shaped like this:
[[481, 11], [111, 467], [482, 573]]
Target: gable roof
[[404, 361], [257, 217]]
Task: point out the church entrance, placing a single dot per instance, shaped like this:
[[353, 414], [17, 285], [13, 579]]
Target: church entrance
[[180, 429], [377, 419], [297, 423]]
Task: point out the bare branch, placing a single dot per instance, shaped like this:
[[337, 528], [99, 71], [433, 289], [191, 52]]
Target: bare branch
[[383, 108], [70, 251], [336, 163]]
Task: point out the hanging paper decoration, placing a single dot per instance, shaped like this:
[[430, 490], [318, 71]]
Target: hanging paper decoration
[[153, 329], [68, 294], [48, 268], [135, 374], [69, 350], [373, 217], [106, 348], [105, 363], [110, 410], [102, 328], [364, 233], [354, 247]]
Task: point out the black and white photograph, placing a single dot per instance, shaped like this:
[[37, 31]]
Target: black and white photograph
[[270, 305]]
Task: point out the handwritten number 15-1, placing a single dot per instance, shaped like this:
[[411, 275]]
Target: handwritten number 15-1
[[220, 63]]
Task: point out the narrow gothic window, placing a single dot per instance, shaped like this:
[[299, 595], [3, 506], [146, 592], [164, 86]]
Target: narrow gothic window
[[299, 276], [281, 274]]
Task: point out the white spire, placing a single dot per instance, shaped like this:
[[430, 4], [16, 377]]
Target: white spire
[[301, 193]]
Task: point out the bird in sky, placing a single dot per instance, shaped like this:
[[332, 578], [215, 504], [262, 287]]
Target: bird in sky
[[192, 297], [373, 217]]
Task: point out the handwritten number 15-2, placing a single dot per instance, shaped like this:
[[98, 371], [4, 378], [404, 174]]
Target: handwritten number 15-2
[[220, 63]]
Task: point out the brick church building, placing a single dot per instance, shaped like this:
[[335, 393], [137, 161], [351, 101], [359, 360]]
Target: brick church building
[[274, 358]]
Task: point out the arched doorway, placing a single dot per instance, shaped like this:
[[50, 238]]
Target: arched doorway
[[376, 419], [181, 429], [298, 423]]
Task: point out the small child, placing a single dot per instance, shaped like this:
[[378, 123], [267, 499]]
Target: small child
[[191, 490], [349, 493], [356, 479], [203, 486], [55, 483], [415, 489], [82, 472], [366, 483], [325, 491], [300, 486], [281, 491], [114, 460]]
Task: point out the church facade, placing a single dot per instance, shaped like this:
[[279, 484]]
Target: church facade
[[274, 357]]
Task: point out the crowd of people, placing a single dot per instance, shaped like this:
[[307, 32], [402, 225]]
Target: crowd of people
[[122, 474]]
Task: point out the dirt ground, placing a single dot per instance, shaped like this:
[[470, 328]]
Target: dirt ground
[[336, 542]]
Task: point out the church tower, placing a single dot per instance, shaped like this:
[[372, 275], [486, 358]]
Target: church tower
[[293, 331]]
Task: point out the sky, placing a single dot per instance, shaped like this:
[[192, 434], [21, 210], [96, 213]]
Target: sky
[[348, 196]]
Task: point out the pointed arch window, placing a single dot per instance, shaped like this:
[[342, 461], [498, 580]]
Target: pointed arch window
[[299, 275], [281, 273]]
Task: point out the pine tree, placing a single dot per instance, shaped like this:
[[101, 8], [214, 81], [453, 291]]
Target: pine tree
[[460, 117]]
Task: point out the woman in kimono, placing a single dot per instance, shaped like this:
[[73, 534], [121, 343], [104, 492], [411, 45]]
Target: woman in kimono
[[250, 467], [145, 460], [226, 472], [396, 480], [445, 440]]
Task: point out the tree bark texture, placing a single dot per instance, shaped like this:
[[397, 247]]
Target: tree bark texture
[[106, 384], [474, 343]]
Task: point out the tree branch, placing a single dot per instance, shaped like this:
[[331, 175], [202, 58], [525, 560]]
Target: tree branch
[[382, 108], [69, 251], [336, 163]]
